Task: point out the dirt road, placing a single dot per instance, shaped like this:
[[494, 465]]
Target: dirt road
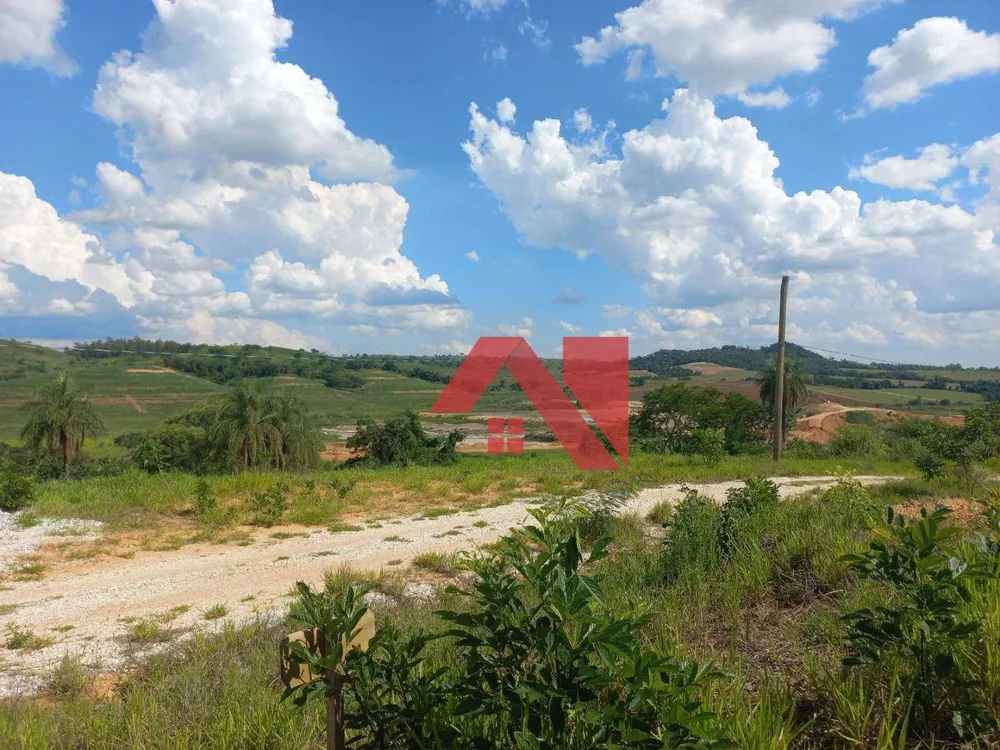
[[94, 596]]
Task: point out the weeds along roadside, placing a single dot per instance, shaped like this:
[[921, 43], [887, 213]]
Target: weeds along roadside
[[762, 592], [136, 498]]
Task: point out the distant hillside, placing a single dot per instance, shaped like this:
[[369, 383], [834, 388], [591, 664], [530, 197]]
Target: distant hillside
[[665, 361]]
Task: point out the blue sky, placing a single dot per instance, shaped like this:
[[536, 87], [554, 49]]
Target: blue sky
[[311, 174]]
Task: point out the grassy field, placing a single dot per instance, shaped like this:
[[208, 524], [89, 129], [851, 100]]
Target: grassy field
[[139, 500], [901, 397]]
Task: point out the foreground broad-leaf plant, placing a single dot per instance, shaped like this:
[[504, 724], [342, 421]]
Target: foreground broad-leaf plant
[[920, 629], [541, 662]]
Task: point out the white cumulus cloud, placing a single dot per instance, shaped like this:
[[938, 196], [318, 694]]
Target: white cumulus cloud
[[930, 166], [28, 31], [693, 207], [724, 46], [934, 51], [776, 98]]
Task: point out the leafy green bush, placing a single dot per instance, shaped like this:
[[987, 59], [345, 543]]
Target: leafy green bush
[[707, 444], [858, 441], [799, 448], [268, 506], [922, 625], [401, 441], [543, 662], [860, 417], [670, 416], [742, 504], [17, 488], [204, 498], [931, 465], [173, 447], [692, 546], [965, 447]]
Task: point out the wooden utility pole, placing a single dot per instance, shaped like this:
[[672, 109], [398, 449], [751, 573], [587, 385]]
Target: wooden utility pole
[[779, 375]]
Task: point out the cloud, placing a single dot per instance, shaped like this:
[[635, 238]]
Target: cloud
[[536, 32], [615, 312], [475, 6], [692, 206], [496, 52], [571, 329], [506, 110], [776, 98], [569, 296], [582, 120], [522, 329], [28, 31], [473, 256], [933, 164], [724, 46], [636, 60], [224, 142], [934, 51]]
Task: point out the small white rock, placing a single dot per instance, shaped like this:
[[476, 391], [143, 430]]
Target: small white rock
[[421, 591], [377, 600]]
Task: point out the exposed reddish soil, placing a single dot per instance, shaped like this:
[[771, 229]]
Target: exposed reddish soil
[[827, 417], [963, 511]]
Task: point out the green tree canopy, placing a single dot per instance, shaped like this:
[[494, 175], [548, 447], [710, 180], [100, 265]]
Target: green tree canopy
[[60, 415], [796, 387]]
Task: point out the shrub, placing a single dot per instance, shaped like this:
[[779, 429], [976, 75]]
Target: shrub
[[799, 448], [858, 441], [17, 488], [742, 504], [922, 625], [860, 417], [692, 545], [707, 444], [173, 447], [931, 465], [399, 442], [566, 671], [268, 506], [204, 498]]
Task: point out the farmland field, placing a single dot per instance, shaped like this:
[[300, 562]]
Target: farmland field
[[900, 397]]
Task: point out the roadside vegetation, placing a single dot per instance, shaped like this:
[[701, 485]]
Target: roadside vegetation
[[821, 622]]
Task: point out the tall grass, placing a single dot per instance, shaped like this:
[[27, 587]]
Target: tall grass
[[134, 498]]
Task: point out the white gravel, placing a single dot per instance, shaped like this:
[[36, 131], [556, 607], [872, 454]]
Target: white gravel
[[93, 596], [16, 541]]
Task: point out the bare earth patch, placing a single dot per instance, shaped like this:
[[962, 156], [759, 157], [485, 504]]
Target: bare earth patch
[[152, 370]]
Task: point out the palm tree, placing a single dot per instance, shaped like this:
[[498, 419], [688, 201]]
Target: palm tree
[[255, 426], [795, 391], [60, 416], [300, 442], [244, 425]]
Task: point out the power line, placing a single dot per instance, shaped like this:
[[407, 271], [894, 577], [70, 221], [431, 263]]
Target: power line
[[867, 357]]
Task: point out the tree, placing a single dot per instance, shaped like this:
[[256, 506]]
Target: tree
[[255, 426], [796, 387], [60, 416], [401, 441]]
